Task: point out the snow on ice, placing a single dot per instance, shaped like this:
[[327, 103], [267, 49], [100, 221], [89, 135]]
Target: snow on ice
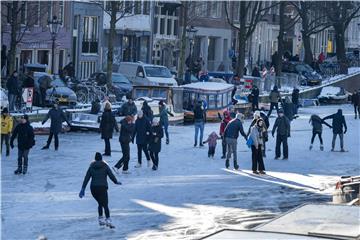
[[190, 196]]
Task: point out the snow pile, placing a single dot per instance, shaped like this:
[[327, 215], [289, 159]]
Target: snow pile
[[210, 86], [329, 91]]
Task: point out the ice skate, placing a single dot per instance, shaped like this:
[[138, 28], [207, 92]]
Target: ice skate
[[262, 172], [167, 141], [236, 166], [154, 168], [138, 165], [227, 163], [321, 148], [24, 171], [223, 157], [18, 170], [311, 146], [102, 221], [108, 223], [45, 147]]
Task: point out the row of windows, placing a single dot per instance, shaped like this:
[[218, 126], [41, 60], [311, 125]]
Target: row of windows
[[166, 26], [213, 101], [135, 7]]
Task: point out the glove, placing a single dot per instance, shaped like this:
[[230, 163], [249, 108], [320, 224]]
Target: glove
[[11, 145], [118, 183], [82, 193]]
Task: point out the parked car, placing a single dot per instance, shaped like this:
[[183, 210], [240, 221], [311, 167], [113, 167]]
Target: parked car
[[307, 75], [58, 91], [142, 74], [120, 83]]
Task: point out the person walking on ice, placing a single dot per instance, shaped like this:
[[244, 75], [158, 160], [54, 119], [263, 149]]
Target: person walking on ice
[[98, 171], [142, 132], [339, 128], [6, 128], [257, 136], [282, 128], [156, 134], [317, 123], [107, 125]]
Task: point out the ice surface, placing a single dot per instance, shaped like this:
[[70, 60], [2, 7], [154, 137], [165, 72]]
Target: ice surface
[[189, 196]]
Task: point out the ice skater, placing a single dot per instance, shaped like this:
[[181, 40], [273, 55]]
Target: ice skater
[[211, 140], [98, 171], [257, 136], [57, 117], [339, 128], [6, 128], [142, 132], [355, 100], [156, 134], [164, 119], [26, 140], [199, 119], [282, 128], [317, 123], [274, 100], [107, 125]]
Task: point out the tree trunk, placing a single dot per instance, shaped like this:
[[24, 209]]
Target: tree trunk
[[340, 49], [110, 55], [13, 43], [305, 33], [308, 58], [280, 54], [242, 41], [183, 41]]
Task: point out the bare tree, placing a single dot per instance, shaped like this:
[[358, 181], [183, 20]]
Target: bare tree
[[21, 17], [117, 10], [340, 14], [251, 13], [313, 21]]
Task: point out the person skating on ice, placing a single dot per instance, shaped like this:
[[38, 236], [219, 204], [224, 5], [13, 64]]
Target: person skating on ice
[[199, 122], [211, 140], [282, 128], [274, 100], [98, 172], [317, 123], [339, 128], [156, 134], [107, 126], [355, 100], [142, 132], [26, 140], [57, 117]]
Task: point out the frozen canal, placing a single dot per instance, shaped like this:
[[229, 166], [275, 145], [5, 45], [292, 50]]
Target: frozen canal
[[188, 197]]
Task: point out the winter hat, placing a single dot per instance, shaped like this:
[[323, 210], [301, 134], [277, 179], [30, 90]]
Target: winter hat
[[98, 156], [256, 114]]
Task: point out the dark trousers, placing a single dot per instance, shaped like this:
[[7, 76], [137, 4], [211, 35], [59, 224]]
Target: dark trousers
[[272, 105], [166, 127], [101, 196], [313, 137], [357, 110], [341, 135], [142, 148], [107, 146], [56, 139], [43, 96], [211, 151], [255, 105], [155, 158], [5, 137], [257, 159], [223, 144], [281, 139], [23, 155], [124, 161]]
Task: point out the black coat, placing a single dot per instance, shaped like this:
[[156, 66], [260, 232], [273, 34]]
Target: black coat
[[107, 124], [128, 109], [255, 94], [233, 128], [142, 130], [295, 96], [282, 125], [13, 85], [338, 122], [355, 99], [28, 82], [199, 114], [57, 117], [148, 113], [98, 172], [317, 123], [156, 133], [25, 135], [126, 131]]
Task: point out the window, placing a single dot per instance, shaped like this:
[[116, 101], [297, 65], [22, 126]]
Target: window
[[176, 27], [23, 12], [76, 22], [90, 37], [229, 98], [141, 93], [50, 12], [219, 101], [137, 7], [37, 9], [156, 25], [162, 26], [146, 7], [169, 27], [43, 57], [215, 10], [61, 12], [129, 7], [159, 93], [211, 101], [25, 57], [9, 12]]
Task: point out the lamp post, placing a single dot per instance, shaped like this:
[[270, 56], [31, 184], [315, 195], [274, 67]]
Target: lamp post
[[54, 26], [191, 32]]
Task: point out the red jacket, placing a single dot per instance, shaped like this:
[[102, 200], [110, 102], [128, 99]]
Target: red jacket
[[223, 124]]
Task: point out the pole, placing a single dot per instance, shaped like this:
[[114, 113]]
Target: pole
[[52, 55]]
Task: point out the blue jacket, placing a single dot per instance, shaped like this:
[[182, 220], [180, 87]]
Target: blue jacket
[[233, 128]]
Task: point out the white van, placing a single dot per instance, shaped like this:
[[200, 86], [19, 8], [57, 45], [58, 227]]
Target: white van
[[147, 74]]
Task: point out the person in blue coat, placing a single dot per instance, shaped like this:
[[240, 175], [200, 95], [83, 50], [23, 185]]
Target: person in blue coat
[[142, 132], [57, 117]]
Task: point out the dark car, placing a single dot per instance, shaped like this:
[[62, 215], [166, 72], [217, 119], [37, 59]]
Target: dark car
[[120, 84], [58, 91], [307, 75]]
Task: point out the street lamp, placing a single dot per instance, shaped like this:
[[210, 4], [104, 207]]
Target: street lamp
[[54, 27], [191, 32]]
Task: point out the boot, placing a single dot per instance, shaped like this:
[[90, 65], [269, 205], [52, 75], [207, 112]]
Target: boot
[[24, 171], [167, 141], [7, 153], [102, 221], [223, 157], [195, 144], [236, 166], [311, 146], [138, 165], [227, 163], [109, 223], [154, 168], [342, 150], [45, 147], [321, 147], [18, 170]]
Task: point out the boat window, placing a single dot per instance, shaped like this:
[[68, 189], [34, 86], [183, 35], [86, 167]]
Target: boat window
[[161, 72], [159, 93], [229, 98], [212, 103], [219, 100], [141, 93], [186, 101], [192, 98]]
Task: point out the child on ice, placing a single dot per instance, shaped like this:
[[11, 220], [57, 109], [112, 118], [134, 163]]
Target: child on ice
[[213, 137]]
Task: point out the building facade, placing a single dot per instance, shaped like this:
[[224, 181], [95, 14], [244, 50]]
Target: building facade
[[35, 42]]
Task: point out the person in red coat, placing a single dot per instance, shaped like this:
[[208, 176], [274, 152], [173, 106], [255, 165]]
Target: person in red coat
[[227, 118]]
